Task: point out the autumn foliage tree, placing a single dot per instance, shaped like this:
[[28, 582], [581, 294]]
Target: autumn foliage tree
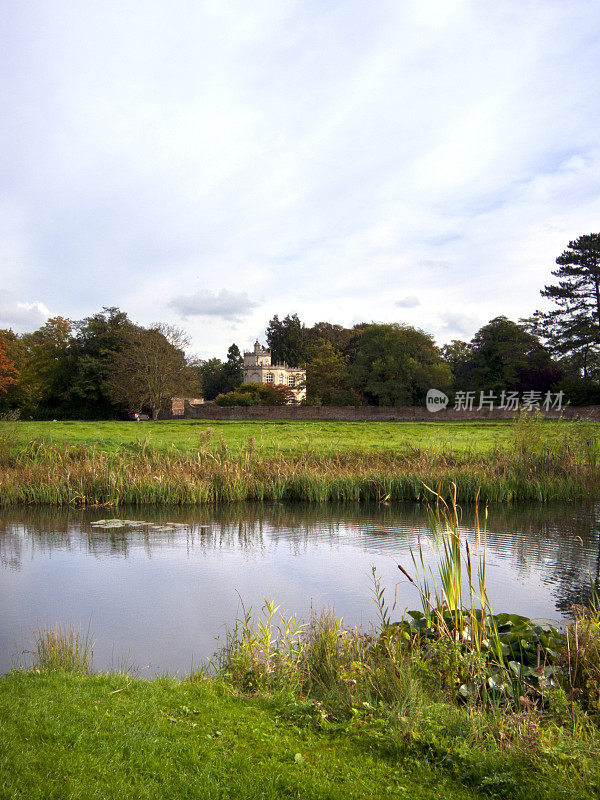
[[8, 370]]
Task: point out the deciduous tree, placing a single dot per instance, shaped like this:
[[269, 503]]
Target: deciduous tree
[[8, 370], [327, 378], [396, 365], [149, 371], [505, 355]]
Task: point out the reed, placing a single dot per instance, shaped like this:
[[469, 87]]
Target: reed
[[559, 463], [61, 649]]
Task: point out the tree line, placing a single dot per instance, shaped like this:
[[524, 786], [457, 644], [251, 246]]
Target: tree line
[[105, 365]]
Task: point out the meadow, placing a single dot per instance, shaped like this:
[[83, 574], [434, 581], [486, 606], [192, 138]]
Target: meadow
[[274, 436]]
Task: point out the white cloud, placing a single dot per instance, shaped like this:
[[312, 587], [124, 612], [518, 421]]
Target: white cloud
[[228, 305], [411, 301], [19, 315], [455, 323]]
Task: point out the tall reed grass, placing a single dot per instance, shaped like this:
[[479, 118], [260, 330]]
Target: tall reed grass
[[62, 649], [560, 463], [455, 648]]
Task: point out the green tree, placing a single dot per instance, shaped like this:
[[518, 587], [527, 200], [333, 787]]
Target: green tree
[[98, 340], [396, 365], [211, 377], [327, 378], [572, 327], [46, 369], [505, 355], [338, 336], [149, 370], [233, 369], [287, 339]]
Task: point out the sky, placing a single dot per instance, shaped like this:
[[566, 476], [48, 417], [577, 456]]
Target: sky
[[212, 163]]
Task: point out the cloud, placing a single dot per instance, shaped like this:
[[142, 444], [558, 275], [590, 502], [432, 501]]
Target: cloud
[[225, 304], [19, 315], [458, 322], [412, 301]]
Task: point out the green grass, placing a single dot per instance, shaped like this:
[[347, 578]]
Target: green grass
[[109, 736], [287, 436]]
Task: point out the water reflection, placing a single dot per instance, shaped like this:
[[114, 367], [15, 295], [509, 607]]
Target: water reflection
[[162, 593]]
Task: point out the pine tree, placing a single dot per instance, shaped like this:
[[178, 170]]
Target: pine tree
[[572, 328]]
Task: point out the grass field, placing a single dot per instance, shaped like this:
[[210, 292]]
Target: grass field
[[285, 436], [69, 735]]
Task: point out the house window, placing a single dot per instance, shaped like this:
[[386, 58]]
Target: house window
[[270, 377], [292, 381], [281, 377]]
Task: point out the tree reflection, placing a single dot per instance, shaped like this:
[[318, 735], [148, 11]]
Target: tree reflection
[[556, 544]]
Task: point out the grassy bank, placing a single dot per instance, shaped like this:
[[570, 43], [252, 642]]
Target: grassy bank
[[311, 711], [109, 736], [539, 461]]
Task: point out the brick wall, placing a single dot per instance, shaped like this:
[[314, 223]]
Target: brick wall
[[361, 413]]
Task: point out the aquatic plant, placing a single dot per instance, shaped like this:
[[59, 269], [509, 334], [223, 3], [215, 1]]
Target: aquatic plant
[[62, 649]]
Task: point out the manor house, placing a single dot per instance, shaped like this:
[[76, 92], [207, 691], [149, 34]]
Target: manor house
[[258, 369]]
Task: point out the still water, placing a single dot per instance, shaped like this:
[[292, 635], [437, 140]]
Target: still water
[[155, 597]]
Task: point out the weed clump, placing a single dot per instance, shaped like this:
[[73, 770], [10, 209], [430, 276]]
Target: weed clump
[[61, 649]]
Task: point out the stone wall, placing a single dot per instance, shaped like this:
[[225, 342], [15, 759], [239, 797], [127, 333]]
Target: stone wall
[[362, 413]]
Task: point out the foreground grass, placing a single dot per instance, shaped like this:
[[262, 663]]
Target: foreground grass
[[108, 736]]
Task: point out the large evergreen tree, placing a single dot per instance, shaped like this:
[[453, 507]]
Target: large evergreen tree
[[287, 339], [572, 328], [233, 369]]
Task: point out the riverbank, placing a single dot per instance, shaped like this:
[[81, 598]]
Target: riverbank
[[111, 736], [352, 728], [453, 700], [538, 461]]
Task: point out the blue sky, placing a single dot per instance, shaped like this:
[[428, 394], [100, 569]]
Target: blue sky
[[210, 164]]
